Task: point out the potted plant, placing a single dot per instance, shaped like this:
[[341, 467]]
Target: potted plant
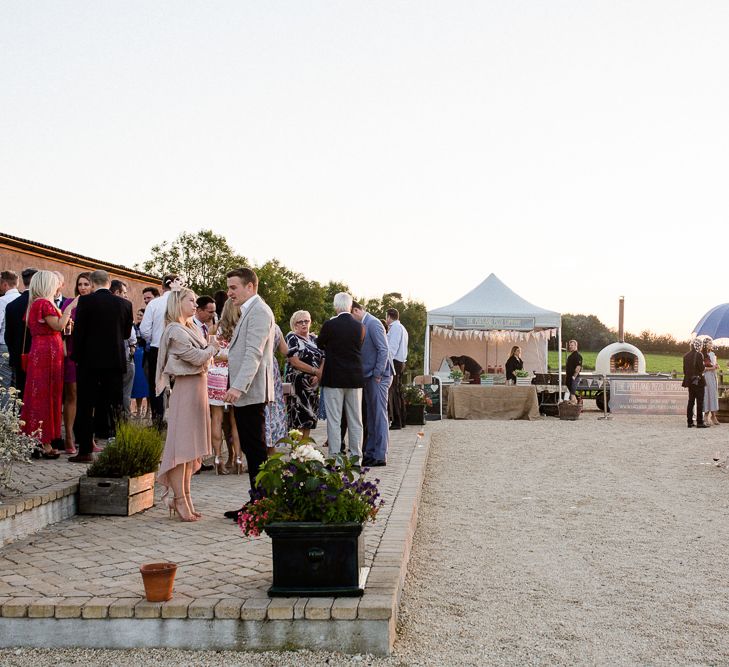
[[14, 444], [523, 378], [487, 379], [121, 480], [456, 375], [313, 508], [416, 403]]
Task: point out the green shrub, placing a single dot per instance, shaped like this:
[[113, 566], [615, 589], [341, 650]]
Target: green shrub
[[136, 450]]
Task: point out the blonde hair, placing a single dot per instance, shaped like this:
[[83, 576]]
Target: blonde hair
[[298, 314], [174, 307], [514, 349], [43, 285], [228, 319]]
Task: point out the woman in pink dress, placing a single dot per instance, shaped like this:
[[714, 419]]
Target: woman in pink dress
[[41, 412], [184, 356], [83, 287]]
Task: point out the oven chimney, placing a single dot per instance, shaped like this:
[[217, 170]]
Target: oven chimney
[[621, 318]]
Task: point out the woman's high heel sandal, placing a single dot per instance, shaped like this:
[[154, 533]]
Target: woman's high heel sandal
[[219, 467], [238, 465], [195, 513], [170, 502], [186, 519]]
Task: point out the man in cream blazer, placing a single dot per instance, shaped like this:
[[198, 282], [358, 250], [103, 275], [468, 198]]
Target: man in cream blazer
[[250, 368]]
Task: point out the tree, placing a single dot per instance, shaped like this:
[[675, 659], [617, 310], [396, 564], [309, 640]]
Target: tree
[[202, 259], [587, 330]]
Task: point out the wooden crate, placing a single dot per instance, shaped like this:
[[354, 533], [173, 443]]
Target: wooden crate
[[122, 496]]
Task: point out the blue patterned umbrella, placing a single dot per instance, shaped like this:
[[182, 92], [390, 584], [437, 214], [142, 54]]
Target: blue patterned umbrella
[[715, 324]]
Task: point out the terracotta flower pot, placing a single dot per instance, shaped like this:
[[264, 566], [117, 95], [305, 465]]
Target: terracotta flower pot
[[159, 579]]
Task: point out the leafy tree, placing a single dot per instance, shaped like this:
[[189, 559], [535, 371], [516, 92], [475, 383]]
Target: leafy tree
[[587, 330], [202, 258]]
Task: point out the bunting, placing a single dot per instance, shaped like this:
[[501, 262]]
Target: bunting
[[493, 336]]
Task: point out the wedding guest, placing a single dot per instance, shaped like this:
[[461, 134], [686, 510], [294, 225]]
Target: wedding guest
[[513, 363], [183, 355], [149, 293], [140, 388], [220, 415], [342, 379], [276, 422], [693, 380], [711, 390], [119, 288], [468, 365], [377, 369], [103, 323], [82, 287], [303, 371], [250, 364], [204, 314], [152, 328], [42, 399], [10, 292], [58, 298], [17, 337], [397, 341]]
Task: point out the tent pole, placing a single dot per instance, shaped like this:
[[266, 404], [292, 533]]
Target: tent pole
[[559, 360], [426, 357]]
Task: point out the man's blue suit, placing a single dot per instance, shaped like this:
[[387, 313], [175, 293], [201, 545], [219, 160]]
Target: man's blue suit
[[376, 365]]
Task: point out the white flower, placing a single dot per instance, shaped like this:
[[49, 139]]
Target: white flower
[[307, 453], [295, 434]]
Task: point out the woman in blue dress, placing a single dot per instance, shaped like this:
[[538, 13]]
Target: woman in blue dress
[[140, 388]]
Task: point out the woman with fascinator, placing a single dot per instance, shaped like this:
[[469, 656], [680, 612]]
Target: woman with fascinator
[[711, 390], [184, 356]]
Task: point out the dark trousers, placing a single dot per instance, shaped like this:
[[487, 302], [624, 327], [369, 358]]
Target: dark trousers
[[19, 380], [157, 403], [395, 401], [98, 404], [251, 423], [696, 394]]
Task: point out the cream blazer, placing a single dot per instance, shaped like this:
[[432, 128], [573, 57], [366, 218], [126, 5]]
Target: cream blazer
[[250, 355]]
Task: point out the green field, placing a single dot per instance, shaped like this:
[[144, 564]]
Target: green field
[[655, 363]]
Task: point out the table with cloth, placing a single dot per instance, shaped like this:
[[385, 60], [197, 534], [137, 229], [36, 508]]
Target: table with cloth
[[492, 402]]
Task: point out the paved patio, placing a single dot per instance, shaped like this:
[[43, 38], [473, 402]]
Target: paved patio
[[88, 567]]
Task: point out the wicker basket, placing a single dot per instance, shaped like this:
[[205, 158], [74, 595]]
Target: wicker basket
[[569, 411]]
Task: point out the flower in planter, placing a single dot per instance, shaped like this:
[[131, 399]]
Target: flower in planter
[[522, 373], [306, 486], [415, 395]]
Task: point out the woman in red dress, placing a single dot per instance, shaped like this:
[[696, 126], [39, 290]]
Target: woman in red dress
[[43, 394]]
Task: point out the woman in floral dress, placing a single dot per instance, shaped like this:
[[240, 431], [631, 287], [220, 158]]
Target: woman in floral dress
[[218, 386], [304, 372], [276, 410]]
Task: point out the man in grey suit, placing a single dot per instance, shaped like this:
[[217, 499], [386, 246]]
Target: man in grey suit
[[377, 369], [250, 368]]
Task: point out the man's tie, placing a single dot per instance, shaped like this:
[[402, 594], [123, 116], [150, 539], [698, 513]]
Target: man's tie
[[205, 330]]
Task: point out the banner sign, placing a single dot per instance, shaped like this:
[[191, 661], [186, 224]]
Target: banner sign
[[647, 397], [498, 323]]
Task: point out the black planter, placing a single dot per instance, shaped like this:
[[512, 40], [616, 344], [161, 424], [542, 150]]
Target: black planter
[[312, 559], [415, 415]]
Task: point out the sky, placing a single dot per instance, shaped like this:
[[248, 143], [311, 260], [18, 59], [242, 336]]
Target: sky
[[577, 149]]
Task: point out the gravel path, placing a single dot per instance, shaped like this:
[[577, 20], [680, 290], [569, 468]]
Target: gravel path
[[546, 542]]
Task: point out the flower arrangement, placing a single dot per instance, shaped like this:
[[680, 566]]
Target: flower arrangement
[[306, 486], [456, 374], [14, 444], [415, 395], [522, 373]]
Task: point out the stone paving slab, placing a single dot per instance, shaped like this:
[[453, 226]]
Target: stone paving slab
[[221, 575]]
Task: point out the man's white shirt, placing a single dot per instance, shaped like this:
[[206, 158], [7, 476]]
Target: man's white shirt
[[397, 341], [152, 325], [9, 296]]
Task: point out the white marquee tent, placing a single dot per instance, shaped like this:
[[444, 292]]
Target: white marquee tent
[[485, 324]]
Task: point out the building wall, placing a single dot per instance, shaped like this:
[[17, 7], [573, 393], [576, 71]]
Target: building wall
[[12, 259]]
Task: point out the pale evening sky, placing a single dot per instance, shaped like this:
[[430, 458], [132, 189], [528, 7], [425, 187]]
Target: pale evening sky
[[577, 149]]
